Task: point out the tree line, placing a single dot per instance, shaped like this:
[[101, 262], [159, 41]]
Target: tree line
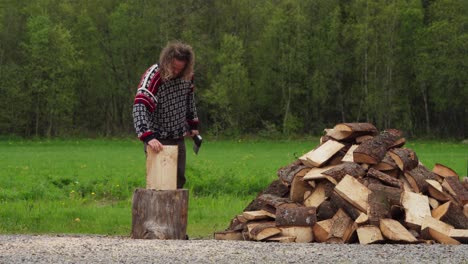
[[266, 67]]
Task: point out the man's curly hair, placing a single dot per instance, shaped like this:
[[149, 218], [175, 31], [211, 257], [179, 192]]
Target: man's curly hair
[[180, 51]]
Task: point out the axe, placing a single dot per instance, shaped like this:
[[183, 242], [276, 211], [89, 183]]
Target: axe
[[197, 140]]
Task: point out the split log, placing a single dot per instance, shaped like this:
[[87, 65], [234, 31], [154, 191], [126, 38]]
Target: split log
[[271, 203], [161, 168], [257, 215], [327, 210], [435, 191], [362, 219], [348, 157], [366, 128], [453, 185], [374, 150], [386, 164], [337, 173], [361, 139], [282, 239], [369, 234], [237, 223], [439, 226], [394, 231], [385, 178], [300, 216], [443, 170], [298, 188], [417, 178], [441, 237], [398, 143], [228, 235], [381, 199], [405, 158], [339, 202], [159, 214], [276, 188], [303, 234], [320, 194], [433, 203], [316, 173], [465, 210], [342, 227], [321, 230], [406, 186], [354, 192], [349, 131], [465, 183], [264, 230], [321, 154], [460, 235], [416, 208], [336, 159], [286, 174], [451, 214]]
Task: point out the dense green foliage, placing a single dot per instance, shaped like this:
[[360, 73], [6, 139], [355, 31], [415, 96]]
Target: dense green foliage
[[85, 186], [263, 66]]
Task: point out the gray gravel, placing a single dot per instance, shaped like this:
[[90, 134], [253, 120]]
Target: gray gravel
[[101, 249]]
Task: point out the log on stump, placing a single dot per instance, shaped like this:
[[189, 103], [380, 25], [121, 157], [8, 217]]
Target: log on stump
[[373, 151], [159, 214], [161, 168], [405, 158]]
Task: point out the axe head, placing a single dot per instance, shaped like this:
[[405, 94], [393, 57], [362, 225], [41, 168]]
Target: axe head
[[197, 141]]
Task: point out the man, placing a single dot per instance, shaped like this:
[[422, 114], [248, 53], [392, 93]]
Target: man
[[164, 109]]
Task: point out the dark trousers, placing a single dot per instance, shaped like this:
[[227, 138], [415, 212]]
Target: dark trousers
[[180, 158]]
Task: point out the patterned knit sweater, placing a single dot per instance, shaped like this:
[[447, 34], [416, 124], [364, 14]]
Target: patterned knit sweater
[[163, 109]]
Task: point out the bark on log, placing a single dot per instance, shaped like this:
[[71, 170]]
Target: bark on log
[[385, 178], [417, 178], [451, 214], [286, 174], [159, 214], [405, 158], [327, 210], [454, 186], [337, 173], [276, 188], [300, 216], [381, 199], [373, 151], [386, 164], [338, 202]]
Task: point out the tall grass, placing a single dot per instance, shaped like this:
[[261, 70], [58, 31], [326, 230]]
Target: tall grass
[[85, 186]]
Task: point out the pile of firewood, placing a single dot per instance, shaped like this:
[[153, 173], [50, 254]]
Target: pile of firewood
[[358, 186]]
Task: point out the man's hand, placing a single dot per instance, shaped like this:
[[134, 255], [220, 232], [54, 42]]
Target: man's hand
[[155, 145], [192, 133]]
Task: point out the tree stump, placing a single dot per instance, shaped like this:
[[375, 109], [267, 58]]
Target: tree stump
[[159, 214]]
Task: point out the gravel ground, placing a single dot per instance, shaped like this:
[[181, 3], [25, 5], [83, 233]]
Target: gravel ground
[[101, 249]]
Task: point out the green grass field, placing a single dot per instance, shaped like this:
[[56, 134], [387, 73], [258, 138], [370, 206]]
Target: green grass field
[[85, 186]]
